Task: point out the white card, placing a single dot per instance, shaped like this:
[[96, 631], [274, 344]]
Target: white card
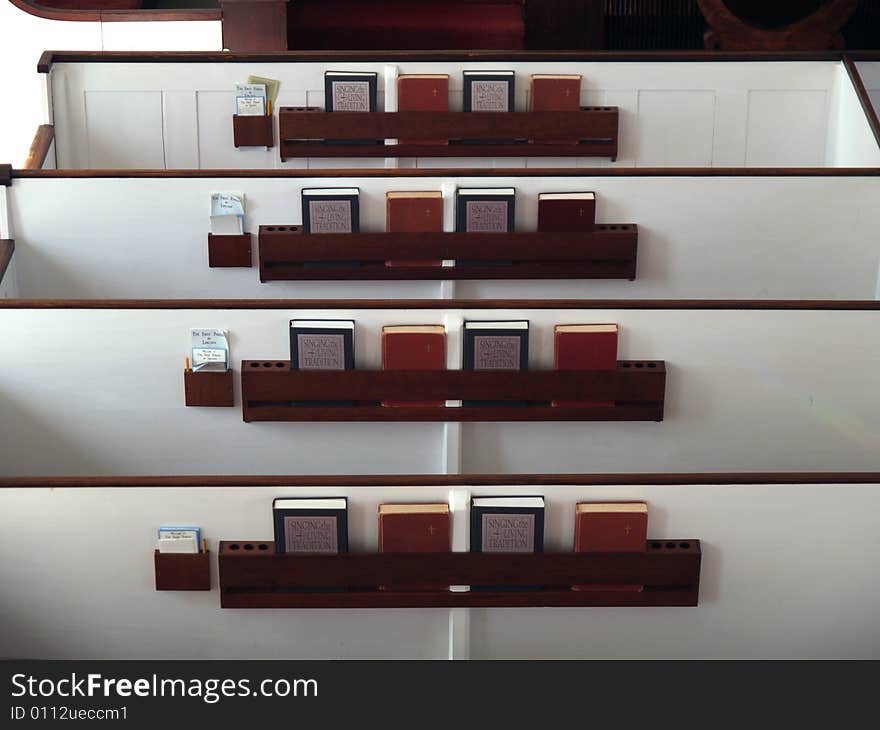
[[210, 350]]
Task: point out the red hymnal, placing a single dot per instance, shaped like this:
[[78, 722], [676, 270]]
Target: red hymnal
[[566, 212], [423, 93], [414, 212], [552, 93], [610, 527], [414, 347], [585, 347], [414, 528]]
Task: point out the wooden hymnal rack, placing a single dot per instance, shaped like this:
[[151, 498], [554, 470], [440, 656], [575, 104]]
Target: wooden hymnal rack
[[214, 389], [252, 575], [271, 391], [255, 131], [182, 571], [229, 250], [608, 252], [303, 131]]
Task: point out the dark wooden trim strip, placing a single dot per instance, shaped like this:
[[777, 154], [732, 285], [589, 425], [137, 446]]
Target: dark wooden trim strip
[[687, 304], [463, 172], [438, 480], [60, 56], [167, 15], [109, 16], [7, 248], [863, 55], [867, 107], [40, 147]]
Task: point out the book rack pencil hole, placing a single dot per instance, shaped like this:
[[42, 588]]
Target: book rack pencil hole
[[182, 571], [208, 389], [233, 251], [253, 131]]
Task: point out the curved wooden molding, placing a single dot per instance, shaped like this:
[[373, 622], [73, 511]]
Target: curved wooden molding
[[111, 16], [818, 31]]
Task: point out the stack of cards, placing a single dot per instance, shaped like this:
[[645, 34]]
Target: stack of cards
[[179, 540], [210, 350], [250, 100], [227, 214]]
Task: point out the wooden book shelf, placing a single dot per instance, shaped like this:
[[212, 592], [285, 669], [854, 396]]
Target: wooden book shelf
[[271, 391], [608, 252], [252, 575], [309, 132]]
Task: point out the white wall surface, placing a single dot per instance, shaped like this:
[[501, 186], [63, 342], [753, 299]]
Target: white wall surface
[[23, 37], [100, 391], [697, 114], [788, 571], [9, 282], [870, 73], [851, 141], [699, 237]]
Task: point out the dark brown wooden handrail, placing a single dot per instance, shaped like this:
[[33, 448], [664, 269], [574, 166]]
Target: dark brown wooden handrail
[[210, 481], [686, 304], [864, 99], [51, 57]]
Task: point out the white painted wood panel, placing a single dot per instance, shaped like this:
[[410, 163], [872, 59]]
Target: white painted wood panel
[[677, 128], [216, 147], [23, 37], [124, 129], [786, 128], [101, 392], [769, 586], [699, 237], [181, 150], [675, 114]]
